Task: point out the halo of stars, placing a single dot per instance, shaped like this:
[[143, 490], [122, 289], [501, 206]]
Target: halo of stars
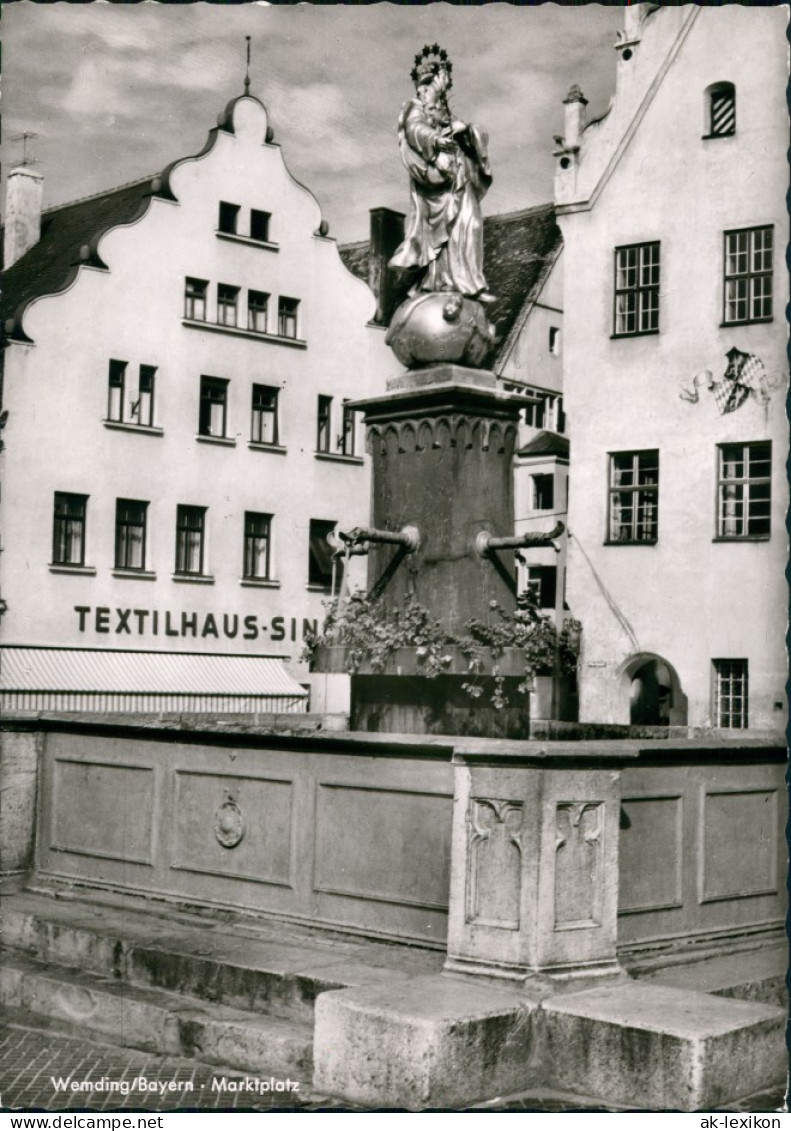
[[432, 58]]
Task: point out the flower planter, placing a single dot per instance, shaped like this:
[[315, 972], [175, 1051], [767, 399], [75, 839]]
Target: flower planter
[[413, 661]]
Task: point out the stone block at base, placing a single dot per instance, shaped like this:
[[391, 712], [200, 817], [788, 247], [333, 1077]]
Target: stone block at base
[[432, 1042], [661, 1048]]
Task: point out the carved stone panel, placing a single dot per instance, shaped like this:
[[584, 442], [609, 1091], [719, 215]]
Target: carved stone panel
[[494, 863], [578, 878]]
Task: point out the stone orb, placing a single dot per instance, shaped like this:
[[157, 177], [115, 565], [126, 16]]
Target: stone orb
[[439, 326]]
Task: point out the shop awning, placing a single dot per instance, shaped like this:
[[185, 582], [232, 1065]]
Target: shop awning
[[96, 679]]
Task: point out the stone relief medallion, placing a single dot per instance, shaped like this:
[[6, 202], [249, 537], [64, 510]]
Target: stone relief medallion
[[229, 825]]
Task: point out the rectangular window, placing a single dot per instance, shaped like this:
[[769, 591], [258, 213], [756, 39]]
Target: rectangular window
[[68, 539], [543, 492], [264, 428], [257, 308], [542, 581], [195, 299], [323, 424], [748, 275], [535, 411], [213, 405], [115, 399], [347, 438], [287, 317], [227, 305], [229, 217], [320, 564], [143, 409], [634, 496], [259, 225], [190, 537], [744, 490], [554, 339], [637, 289], [130, 534], [257, 530], [730, 694]]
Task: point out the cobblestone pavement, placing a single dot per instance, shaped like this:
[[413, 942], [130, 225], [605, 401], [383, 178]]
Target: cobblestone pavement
[[31, 1057]]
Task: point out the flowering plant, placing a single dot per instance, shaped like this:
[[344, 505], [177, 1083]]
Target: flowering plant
[[370, 635]]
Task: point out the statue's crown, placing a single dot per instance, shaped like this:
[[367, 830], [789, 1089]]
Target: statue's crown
[[431, 60]]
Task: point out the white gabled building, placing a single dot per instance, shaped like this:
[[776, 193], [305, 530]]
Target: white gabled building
[[177, 356], [674, 221]]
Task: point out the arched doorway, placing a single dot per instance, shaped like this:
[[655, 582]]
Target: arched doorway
[[655, 695]]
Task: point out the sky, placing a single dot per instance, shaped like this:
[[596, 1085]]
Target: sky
[[114, 92]]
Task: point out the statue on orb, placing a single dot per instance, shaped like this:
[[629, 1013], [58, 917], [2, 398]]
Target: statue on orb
[[444, 319]]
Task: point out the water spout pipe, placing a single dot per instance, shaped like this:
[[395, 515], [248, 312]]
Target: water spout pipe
[[485, 542], [408, 537]]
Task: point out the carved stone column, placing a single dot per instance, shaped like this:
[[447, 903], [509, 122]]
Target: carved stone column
[[534, 869]]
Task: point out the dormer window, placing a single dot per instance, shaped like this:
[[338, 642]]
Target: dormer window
[[721, 110], [229, 217]]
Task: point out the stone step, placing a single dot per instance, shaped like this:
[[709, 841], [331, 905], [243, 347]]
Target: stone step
[[659, 1047], [180, 954], [758, 974], [155, 1020]]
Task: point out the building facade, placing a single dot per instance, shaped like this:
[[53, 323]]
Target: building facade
[[178, 357], [674, 221]]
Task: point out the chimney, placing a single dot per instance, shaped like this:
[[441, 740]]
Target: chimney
[[387, 232], [23, 197], [575, 103]]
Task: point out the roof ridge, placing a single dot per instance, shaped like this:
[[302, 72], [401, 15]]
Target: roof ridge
[[519, 212], [98, 195]]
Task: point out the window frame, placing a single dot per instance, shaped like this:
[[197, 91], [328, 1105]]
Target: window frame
[[750, 451], [195, 291], [726, 92], [227, 300], [287, 316], [250, 547], [65, 525], [257, 415], [124, 548], [190, 520], [228, 221], [538, 484], [749, 276], [726, 669], [257, 307], [116, 380], [636, 489], [324, 424], [638, 290], [265, 220], [318, 529], [540, 584], [208, 387], [149, 372], [347, 439]]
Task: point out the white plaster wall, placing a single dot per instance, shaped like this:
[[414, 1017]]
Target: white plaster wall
[[529, 359], [533, 521], [686, 598], [56, 394]]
